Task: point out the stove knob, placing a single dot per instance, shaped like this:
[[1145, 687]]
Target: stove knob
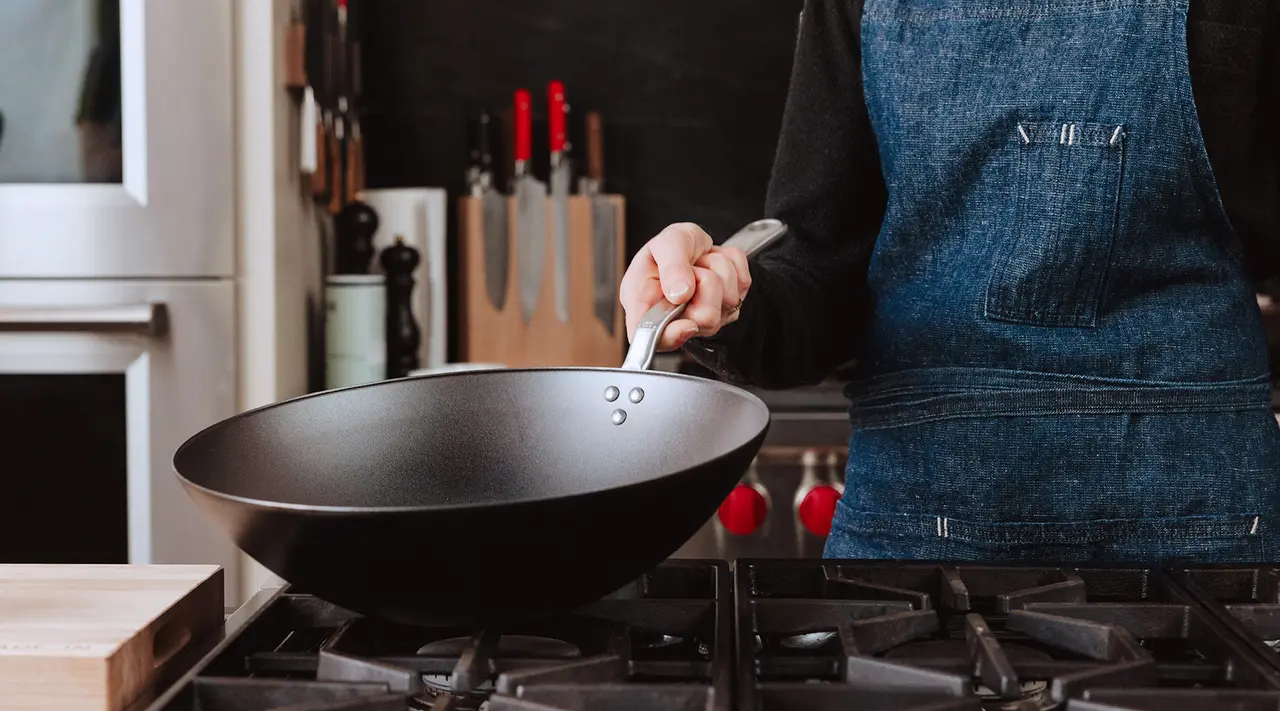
[[743, 510], [818, 508]]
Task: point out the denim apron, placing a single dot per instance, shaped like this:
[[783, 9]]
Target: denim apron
[[1065, 357]]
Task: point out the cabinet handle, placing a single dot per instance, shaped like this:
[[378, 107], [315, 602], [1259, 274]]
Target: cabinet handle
[[144, 319]]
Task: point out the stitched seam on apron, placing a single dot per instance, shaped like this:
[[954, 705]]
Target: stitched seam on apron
[[962, 379], [1048, 402], [1054, 532], [885, 12]]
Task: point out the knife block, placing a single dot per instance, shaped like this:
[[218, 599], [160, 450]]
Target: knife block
[[491, 335]]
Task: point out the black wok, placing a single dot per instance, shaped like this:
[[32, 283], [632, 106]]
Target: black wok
[[480, 496]]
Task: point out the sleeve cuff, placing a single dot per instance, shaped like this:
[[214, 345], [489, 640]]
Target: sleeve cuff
[[717, 353]]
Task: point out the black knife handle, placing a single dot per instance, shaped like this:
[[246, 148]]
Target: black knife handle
[[485, 141], [474, 131]]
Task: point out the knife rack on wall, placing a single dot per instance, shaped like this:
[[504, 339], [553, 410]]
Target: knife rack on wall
[[487, 334]]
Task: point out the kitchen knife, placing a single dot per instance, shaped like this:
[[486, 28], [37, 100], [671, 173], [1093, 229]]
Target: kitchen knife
[[604, 226], [323, 179], [531, 210], [341, 138], [559, 195], [493, 208]]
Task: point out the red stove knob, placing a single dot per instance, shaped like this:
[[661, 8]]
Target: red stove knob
[[743, 510], [818, 508]]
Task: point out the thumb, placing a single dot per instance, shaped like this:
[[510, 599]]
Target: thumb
[[677, 282], [674, 251]]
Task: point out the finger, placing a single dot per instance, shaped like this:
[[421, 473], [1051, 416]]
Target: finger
[[637, 297], [639, 274], [706, 307], [723, 268], [674, 251], [739, 259], [639, 288], [676, 334], [702, 317]]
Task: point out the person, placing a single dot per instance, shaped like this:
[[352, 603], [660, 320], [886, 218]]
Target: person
[[1035, 228]]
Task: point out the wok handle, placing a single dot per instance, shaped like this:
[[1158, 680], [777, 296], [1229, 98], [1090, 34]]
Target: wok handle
[[144, 319], [751, 239]]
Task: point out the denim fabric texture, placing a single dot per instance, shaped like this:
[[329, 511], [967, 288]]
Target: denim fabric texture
[[1067, 360]]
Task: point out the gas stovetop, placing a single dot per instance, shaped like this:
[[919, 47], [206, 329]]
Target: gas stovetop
[[776, 635], [664, 642]]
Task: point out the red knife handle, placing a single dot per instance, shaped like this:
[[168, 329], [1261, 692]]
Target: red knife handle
[[524, 126], [555, 107]]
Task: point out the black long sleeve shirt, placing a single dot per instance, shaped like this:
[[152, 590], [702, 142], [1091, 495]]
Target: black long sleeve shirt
[[808, 302]]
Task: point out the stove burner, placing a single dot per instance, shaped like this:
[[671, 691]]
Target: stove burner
[[959, 648], [509, 646], [810, 641], [429, 699], [1034, 694], [656, 641]]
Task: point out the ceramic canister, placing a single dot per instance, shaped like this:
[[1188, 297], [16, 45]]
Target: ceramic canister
[[355, 331]]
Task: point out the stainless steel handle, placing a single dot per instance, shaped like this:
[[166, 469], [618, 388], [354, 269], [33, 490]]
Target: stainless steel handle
[[750, 239], [144, 319]]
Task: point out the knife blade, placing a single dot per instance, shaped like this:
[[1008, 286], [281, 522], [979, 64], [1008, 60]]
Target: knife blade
[[604, 226], [493, 209], [531, 210], [560, 169]]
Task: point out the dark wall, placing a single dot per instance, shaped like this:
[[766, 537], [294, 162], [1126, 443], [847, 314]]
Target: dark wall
[[691, 91]]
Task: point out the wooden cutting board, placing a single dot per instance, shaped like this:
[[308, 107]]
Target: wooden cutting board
[[92, 637]]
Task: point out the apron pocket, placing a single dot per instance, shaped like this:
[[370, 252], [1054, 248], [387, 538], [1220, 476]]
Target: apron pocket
[[1234, 538], [1052, 267]]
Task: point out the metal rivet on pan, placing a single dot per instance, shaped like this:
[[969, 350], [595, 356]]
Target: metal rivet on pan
[[636, 395], [611, 393], [619, 416]]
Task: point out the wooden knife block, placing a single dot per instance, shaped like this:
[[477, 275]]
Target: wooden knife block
[[489, 335]]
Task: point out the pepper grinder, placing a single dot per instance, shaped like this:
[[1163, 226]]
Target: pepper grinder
[[403, 337], [354, 227]]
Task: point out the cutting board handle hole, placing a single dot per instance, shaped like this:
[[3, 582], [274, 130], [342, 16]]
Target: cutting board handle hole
[[168, 641]]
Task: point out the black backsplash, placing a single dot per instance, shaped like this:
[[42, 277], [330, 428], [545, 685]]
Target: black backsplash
[[691, 92]]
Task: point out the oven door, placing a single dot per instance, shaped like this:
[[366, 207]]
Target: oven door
[[116, 142], [100, 381]]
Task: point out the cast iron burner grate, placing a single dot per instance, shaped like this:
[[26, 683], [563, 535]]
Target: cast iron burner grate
[[665, 642], [1245, 597], [821, 635]]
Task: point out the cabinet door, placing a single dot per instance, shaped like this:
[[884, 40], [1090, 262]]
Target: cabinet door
[[100, 382], [116, 138]]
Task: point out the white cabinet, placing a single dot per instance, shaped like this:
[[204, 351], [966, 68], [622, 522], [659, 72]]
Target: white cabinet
[[118, 273], [117, 149]]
